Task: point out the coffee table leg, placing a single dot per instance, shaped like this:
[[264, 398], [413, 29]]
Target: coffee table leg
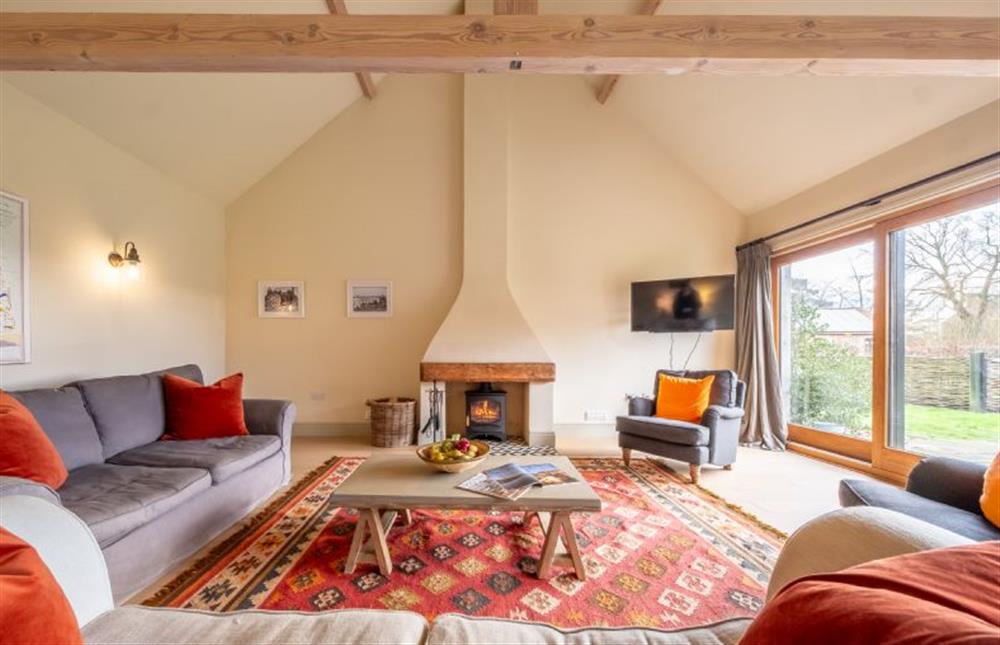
[[407, 517], [356, 542], [569, 539], [380, 546], [549, 546], [560, 527]]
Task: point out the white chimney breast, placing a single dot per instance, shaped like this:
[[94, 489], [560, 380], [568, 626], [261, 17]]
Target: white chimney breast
[[485, 324]]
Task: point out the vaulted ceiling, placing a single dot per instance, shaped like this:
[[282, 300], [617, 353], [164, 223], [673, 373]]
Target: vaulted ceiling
[[754, 140]]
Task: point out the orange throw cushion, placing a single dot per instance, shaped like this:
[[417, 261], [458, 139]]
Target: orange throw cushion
[[33, 608], [196, 411], [683, 399], [939, 596], [990, 501], [25, 450]]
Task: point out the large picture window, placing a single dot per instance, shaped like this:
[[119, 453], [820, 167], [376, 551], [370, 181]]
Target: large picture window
[[889, 338], [944, 335]]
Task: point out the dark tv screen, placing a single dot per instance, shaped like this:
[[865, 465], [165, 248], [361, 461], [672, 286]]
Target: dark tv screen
[[686, 304]]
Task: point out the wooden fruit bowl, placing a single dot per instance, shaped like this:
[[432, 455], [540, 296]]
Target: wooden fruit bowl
[[455, 465]]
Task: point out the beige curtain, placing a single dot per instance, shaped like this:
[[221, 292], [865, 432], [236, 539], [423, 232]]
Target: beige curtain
[[756, 360]]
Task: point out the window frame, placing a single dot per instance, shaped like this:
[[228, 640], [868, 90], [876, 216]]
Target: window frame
[[876, 456]]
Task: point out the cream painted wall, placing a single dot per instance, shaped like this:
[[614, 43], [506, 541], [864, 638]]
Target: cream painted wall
[[597, 203], [86, 195], [969, 137], [375, 194]]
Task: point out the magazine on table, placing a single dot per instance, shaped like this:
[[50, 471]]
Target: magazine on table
[[511, 481]]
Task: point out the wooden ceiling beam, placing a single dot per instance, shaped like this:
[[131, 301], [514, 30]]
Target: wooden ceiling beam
[[649, 8], [515, 7], [822, 45], [338, 8]]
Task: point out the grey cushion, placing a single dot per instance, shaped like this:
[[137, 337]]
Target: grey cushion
[[114, 500], [128, 410], [857, 492], [682, 432], [65, 420], [723, 387], [222, 457]]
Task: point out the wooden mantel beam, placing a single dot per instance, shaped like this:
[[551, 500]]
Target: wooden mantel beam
[[337, 7], [823, 45], [649, 8]]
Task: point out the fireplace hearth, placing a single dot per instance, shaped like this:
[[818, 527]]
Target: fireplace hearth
[[486, 413]]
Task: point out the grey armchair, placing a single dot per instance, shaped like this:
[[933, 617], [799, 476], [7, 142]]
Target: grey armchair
[[713, 441]]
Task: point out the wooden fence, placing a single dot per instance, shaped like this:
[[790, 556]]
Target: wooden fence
[[951, 382]]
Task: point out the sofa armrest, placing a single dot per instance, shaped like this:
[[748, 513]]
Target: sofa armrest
[[851, 536], [10, 486], [67, 547], [640, 406], [950, 481], [274, 417], [714, 413], [269, 416]]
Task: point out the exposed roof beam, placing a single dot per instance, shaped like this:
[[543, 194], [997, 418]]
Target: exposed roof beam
[[649, 8], [337, 7], [824, 45], [515, 7]]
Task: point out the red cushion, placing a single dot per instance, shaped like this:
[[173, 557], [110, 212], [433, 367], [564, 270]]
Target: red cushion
[[25, 450], [196, 411], [940, 596], [33, 607]]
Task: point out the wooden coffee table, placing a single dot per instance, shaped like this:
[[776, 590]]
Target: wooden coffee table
[[385, 486]]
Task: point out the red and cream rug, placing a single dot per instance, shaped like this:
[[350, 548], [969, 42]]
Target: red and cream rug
[[662, 553]]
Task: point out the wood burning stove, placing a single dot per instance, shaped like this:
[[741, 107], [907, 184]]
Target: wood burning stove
[[486, 413]]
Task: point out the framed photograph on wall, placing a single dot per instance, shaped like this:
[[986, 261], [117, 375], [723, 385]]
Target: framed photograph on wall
[[15, 328], [369, 299], [277, 299]]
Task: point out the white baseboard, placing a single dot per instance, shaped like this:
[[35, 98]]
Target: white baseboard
[[330, 429], [565, 430]]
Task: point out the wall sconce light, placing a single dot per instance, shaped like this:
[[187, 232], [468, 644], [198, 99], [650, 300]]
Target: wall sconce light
[[129, 262]]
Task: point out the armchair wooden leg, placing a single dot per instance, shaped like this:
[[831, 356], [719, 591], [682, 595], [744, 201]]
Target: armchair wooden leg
[[695, 472], [727, 467], [627, 456]]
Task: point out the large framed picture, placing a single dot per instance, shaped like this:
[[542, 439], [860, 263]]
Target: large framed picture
[[15, 328], [276, 299], [369, 299]]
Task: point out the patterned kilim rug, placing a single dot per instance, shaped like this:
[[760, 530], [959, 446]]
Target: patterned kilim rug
[[662, 553]]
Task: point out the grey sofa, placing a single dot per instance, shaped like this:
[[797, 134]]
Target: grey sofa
[[713, 441], [940, 490], [152, 503]]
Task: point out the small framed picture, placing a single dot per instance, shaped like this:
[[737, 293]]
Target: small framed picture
[[281, 299], [369, 299], [15, 328]]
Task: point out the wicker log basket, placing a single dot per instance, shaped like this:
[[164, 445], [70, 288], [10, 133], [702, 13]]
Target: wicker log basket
[[393, 421]]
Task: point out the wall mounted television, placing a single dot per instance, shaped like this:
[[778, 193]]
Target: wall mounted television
[[684, 304]]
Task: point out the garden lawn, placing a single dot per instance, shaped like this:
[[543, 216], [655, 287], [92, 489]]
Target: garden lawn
[[956, 425]]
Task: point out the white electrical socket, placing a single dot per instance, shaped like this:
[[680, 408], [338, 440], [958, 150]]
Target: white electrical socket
[[595, 416], [368, 413]]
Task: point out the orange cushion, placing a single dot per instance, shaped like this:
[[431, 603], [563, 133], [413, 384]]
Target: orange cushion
[[196, 411], [25, 450], [683, 399], [939, 596], [990, 501], [33, 607]]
